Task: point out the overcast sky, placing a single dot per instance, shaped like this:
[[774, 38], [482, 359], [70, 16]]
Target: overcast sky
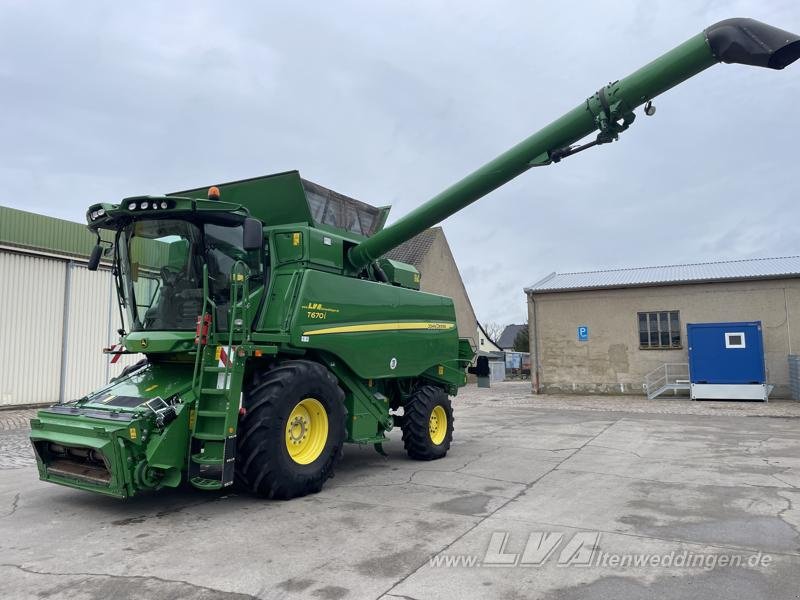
[[391, 102]]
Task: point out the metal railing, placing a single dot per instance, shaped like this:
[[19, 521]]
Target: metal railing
[[669, 376]]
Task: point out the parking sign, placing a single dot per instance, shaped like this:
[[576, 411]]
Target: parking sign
[[583, 333]]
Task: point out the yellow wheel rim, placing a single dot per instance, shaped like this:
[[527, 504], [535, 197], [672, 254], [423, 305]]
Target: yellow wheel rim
[[437, 424], [307, 431]]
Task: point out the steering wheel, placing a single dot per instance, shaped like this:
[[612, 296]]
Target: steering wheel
[[170, 277]]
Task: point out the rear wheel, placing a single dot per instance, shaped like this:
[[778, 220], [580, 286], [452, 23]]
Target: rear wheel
[[292, 432], [427, 423]]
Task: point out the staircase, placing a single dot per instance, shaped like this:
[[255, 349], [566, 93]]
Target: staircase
[[668, 377], [217, 384]]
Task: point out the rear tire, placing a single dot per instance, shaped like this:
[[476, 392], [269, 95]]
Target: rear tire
[[292, 432], [427, 423]]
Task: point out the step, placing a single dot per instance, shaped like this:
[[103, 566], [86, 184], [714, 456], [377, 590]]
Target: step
[[201, 459], [206, 484], [213, 392], [210, 437], [216, 414], [215, 369]]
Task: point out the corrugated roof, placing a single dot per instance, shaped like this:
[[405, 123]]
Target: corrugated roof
[[730, 270], [509, 335], [40, 232], [414, 250]]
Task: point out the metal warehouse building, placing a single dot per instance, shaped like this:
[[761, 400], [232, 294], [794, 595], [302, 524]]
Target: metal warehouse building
[[55, 315], [605, 331]]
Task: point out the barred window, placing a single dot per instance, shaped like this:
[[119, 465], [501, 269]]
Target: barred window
[[660, 329]]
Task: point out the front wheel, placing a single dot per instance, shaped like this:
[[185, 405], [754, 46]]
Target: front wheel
[[292, 431], [427, 423]]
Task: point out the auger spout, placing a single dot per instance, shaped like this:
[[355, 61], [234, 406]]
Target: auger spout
[[609, 111]]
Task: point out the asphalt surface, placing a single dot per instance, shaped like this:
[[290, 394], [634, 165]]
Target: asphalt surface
[[536, 499]]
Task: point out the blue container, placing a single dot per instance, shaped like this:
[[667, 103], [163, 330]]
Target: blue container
[[726, 353]]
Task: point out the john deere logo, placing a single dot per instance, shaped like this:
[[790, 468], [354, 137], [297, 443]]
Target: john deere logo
[[144, 343]]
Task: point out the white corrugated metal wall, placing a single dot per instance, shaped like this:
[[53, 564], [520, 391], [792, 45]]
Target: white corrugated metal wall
[[42, 361], [31, 314]]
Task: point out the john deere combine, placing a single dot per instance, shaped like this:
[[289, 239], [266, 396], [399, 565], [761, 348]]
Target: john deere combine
[[273, 329]]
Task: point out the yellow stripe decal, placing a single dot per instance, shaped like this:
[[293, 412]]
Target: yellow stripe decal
[[427, 325]]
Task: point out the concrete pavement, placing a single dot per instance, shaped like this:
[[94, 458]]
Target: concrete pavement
[[536, 499]]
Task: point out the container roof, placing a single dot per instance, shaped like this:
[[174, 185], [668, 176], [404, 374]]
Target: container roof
[[730, 270]]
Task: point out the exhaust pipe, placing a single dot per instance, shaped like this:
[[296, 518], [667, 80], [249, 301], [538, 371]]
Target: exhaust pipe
[[751, 42]]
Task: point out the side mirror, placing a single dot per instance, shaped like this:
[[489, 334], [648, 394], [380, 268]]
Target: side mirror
[[252, 234], [94, 257]]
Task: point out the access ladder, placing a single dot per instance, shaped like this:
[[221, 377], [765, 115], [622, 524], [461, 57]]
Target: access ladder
[[217, 386]]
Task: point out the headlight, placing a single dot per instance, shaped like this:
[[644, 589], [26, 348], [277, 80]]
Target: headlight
[[132, 206]]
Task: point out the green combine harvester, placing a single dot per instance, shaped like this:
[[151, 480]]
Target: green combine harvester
[[275, 330]]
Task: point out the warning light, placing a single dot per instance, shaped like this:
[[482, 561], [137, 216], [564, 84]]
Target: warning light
[[257, 353], [213, 193]]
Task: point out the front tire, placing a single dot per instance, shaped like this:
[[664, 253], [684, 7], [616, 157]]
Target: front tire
[[292, 431], [427, 423]]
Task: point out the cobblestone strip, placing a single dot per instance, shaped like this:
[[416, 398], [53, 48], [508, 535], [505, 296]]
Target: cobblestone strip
[[15, 448], [518, 394], [16, 419]]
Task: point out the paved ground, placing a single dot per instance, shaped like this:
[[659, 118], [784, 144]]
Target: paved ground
[[554, 498]]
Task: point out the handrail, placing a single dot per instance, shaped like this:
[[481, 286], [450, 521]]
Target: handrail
[[239, 291], [664, 377], [198, 358]]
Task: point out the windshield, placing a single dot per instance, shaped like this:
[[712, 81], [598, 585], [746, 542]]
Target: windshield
[[161, 270]]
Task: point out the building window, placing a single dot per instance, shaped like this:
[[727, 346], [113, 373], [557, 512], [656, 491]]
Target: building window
[[660, 329]]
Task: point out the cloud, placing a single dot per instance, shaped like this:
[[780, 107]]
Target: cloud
[[392, 102]]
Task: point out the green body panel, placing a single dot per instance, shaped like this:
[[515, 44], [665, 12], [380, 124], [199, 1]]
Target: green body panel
[[319, 295], [273, 199], [348, 318], [80, 431], [159, 380], [116, 422], [367, 407], [161, 341], [284, 198], [400, 273]]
